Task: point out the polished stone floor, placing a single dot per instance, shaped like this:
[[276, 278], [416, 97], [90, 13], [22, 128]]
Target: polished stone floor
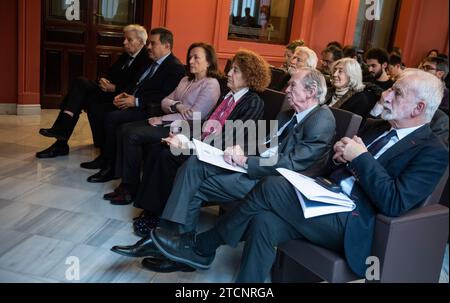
[[50, 214]]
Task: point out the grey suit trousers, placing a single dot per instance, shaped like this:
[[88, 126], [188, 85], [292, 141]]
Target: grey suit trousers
[[199, 182]]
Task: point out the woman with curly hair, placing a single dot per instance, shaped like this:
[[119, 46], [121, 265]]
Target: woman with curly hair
[[248, 75]]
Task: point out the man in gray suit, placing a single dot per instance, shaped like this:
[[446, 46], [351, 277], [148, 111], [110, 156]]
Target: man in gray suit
[[304, 138], [304, 141]]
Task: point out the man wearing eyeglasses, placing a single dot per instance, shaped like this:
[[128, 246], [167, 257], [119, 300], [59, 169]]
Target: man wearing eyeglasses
[[438, 67]]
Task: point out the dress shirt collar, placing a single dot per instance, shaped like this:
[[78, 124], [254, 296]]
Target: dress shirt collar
[[161, 60], [238, 95]]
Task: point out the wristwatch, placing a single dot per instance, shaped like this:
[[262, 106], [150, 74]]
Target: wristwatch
[[173, 107]]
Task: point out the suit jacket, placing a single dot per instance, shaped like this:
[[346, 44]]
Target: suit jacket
[[123, 77], [250, 107], [306, 148], [355, 102], [439, 126], [152, 90], [399, 180]]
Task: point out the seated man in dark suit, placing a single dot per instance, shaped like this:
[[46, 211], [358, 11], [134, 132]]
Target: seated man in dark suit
[[302, 143], [125, 71], [397, 171], [139, 101]]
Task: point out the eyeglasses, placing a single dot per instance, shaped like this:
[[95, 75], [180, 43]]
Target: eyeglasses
[[428, 68]]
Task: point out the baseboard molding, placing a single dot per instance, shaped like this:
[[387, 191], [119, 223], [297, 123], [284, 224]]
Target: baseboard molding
[[28, 109], [8, 108], [19, 109]]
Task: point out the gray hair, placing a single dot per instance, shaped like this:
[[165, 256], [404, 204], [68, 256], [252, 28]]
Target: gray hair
[[140, 31], [314, 80], [353, 70], [312, 60], [427, 88]]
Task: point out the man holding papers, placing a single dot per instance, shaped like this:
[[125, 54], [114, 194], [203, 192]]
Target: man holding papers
[[393, 167], [304, 138]]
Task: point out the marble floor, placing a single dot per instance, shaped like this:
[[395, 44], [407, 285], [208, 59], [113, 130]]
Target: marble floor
[[52, 220]]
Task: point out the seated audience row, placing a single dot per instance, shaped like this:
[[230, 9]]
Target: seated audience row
[[141, 110]]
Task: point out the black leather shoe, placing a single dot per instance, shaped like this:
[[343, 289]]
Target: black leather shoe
[[104, 175], [59, 134], [124, 198], [142, 248], [165, 265], [180, 248], [114, 193], [97, 163], [53, 151]]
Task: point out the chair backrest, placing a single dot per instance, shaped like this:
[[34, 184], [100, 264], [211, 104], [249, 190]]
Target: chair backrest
[[277, 81], [273, 100], [347, 123]]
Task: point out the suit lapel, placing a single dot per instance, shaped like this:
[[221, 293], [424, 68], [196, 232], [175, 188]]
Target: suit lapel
[[374, 131], [162, 66], [414, 138], [309, 115]]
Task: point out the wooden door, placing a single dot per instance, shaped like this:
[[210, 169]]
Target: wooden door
[[83, 44]]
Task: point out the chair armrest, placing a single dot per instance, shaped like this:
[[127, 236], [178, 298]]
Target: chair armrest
[[417, 237], [413, 215]]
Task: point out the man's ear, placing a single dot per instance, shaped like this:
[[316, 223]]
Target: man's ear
[[384, 65], [310, 92], [419, 109]]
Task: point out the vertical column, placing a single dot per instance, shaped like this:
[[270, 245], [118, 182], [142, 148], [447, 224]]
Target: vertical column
[[29, 46]]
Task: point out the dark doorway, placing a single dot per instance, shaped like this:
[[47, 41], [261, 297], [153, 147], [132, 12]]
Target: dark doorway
[[84, 47]]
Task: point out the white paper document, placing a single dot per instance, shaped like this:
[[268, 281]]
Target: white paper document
[[214, 156], [314, 198]]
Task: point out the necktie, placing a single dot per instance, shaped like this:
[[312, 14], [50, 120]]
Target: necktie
[[376, 146], [217, 115], [287, 129], [127, 62], [147, 74], [341, 173]]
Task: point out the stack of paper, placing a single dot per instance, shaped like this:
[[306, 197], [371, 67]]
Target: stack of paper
[[314, 198], [214, 156]]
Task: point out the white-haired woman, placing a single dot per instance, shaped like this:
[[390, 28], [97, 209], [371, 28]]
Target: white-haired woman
[[347, 91]]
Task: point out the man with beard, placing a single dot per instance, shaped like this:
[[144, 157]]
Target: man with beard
[[392, 168], [377, 60]]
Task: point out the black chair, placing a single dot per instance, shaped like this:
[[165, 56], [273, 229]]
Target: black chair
[[410, 248], [279, 78], [273, 100]]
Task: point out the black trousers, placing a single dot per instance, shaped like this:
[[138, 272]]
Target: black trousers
[[160, 169], [270, 215], [113, 120], [131, 139], [96, 113], [83, 94]]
